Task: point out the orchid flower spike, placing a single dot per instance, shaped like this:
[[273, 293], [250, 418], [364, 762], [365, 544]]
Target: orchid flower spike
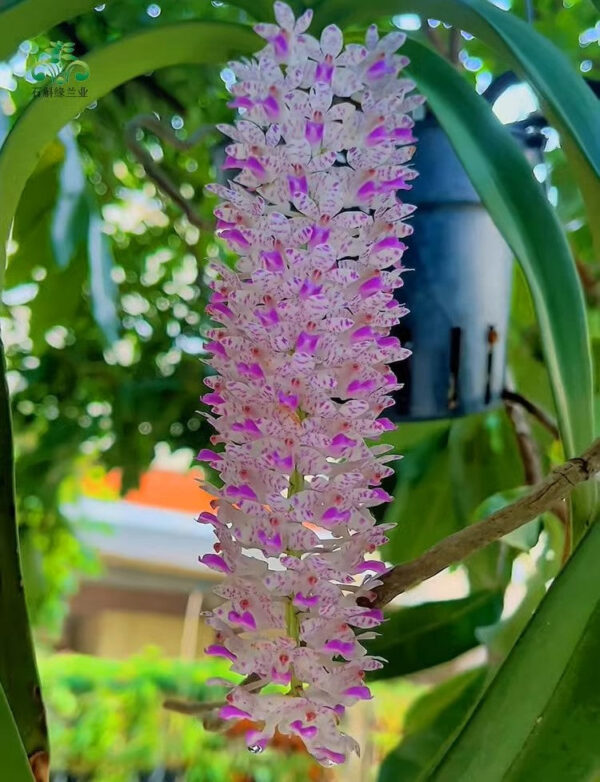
[[300, 351]]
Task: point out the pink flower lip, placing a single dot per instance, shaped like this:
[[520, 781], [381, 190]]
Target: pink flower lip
[[241, 102], [340, 443], [335, 516], [280, 44], [389, 243], [235, 236], [358, 386], [309, 289], [220, 309], [360, 692], [254, 165], [305, 601], [308, 731], [371, 564], [318, 236], [268, 317], [247, 427], [216, 348], [343, 648], [282, 462], [362, 334], [371, 286], [367, 190], [232, 162], [213, 399], [207, 518], [245, 619], [313, 132], [329, 754], [288, 400], [273, 260], [271, 107], [241, 492], [281, 677], [229, 712], [298, 185], [379, 69], [218, 650], [376, 136], [250, 370], [206, 455], [404, 135], [324, 73], [215, 562], [307, 343]]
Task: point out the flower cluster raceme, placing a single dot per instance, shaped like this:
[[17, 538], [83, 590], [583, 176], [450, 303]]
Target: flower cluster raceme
[[301, 354]]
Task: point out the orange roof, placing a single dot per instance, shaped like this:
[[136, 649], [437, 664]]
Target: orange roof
[[158, 488]]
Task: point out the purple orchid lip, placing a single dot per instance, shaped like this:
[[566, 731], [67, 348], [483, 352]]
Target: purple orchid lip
[[360, 692], [217, 650], [343, 648], [229, 712], [215, 562]]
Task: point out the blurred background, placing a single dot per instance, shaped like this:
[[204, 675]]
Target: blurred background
[[102, 318]]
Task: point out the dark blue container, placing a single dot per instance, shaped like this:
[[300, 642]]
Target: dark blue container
[[459, 292]]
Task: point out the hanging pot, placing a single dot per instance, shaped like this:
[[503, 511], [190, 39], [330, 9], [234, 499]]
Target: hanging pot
[[459, 292]]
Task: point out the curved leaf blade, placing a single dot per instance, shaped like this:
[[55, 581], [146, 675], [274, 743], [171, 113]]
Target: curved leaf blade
[[14, 760], [570, 103], [431, 724], [19, 681], [422, 636], [27, 18], [502, 177], [553, 652]]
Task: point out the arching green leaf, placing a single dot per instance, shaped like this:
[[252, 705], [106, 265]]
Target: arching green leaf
[[27, 18], [15, 765], [516, 203], [540, 714]]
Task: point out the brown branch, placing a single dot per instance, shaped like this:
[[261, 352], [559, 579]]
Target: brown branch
[[556, 486], [155, 172], [537, 412], [528, 449]]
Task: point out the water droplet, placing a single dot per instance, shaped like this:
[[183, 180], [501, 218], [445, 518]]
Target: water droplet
[[100, 7], [255, 749], [153, 10]]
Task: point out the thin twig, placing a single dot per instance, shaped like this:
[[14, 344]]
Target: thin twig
[[556, 486], [532, 463], [454, 46], [436, 40], [535, 410], [150, 122]]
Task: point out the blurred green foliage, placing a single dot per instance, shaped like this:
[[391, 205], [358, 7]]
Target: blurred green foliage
[[107, 723]]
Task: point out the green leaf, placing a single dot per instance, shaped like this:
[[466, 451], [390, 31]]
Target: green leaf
[[503, 179], [110, 66], [28, 18], [421, 636], [423, 507], [571, 105], [19, 681], [430, 724], [552, 664], [103, 291], [15, 765]]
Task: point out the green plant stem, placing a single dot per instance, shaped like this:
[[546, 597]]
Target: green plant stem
[[18, 669]]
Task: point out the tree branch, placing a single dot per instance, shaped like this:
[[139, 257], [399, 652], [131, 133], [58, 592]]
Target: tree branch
[[541, 415], [155, 172], [556, 486]]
